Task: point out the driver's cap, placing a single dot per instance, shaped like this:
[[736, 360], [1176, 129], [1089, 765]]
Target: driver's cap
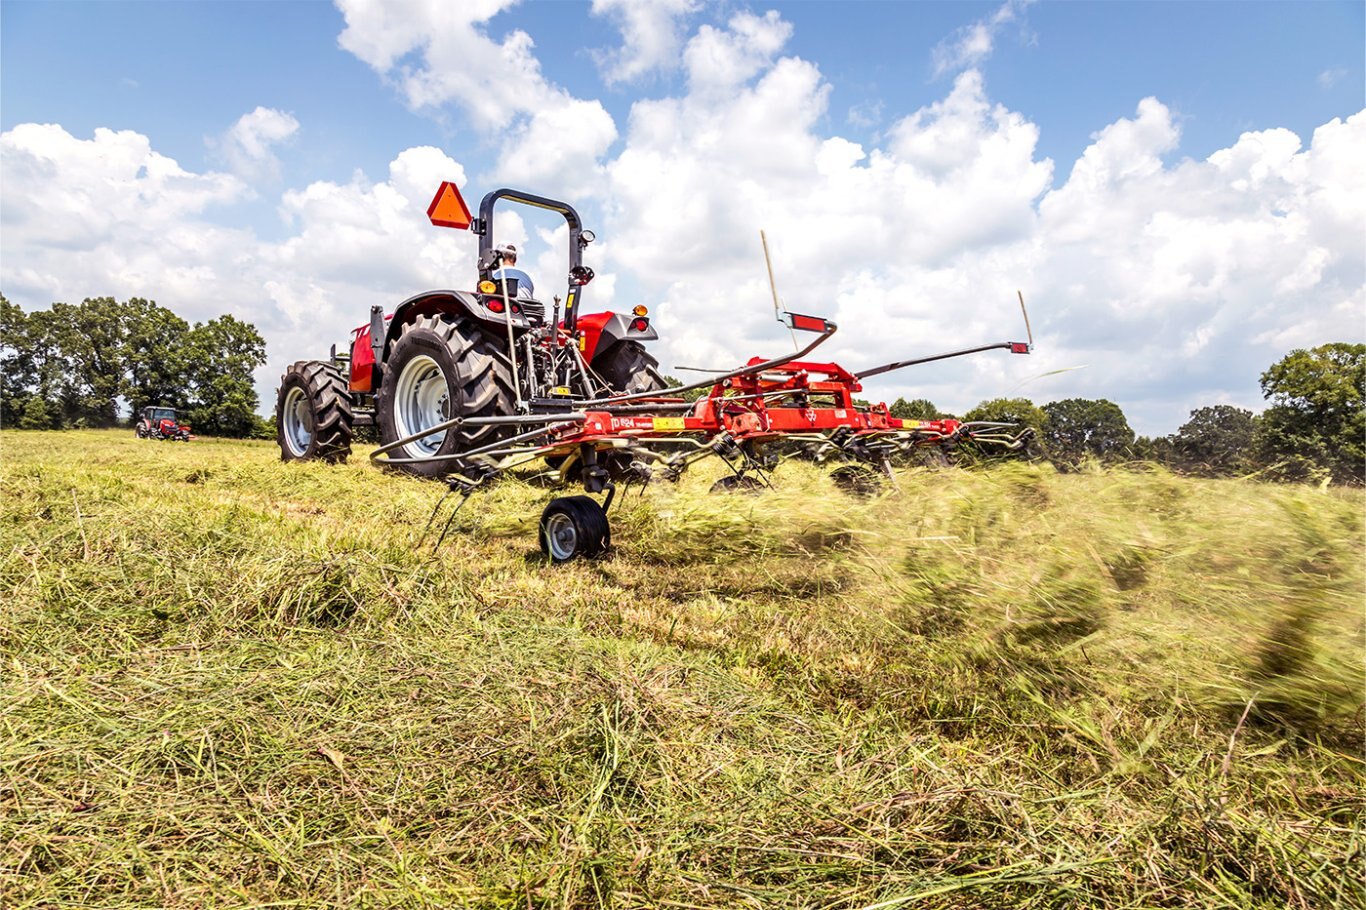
[[507, 248]]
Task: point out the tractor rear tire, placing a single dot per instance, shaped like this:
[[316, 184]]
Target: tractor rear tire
[[628, 368], [313, 415], [574, 527], [442, 367]]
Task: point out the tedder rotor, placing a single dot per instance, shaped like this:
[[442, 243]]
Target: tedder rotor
[[468, 385]]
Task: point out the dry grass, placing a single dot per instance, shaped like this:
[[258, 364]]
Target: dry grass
[[230, 682]]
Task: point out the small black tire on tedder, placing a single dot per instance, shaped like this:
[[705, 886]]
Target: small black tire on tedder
[[313, 418], [858, 479], [574, 527], [738, 483]]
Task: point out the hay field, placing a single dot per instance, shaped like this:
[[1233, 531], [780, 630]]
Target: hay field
[[230, 682]]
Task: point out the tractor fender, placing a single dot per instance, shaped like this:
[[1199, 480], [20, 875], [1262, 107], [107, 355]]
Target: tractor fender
[[456, 303], [365, 372], [603, 330]]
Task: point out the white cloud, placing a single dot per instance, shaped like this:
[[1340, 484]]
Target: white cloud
[[1332, 76], [247, 147], [108, 215], [437, 52], [972, 44], [651, 31], [718, 60], [865, 114]]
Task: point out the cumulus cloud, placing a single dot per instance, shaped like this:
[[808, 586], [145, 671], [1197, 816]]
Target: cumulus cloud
[[972, 44], [248, 146], [109, 215], [1332, 76], [651, 31], [438, 53], [718, 60]]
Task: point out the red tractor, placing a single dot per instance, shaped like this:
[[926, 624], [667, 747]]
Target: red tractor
[[471, 354], [160, 423]]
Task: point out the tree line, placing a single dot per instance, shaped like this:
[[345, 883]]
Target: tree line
[[1314, 427], [73, 364]]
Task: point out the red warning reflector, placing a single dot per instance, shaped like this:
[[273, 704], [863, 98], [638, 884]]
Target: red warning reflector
[[448, 209], [1019, 347], [807, 323]]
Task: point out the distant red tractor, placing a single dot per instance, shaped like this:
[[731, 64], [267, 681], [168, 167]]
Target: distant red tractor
[[471, 354], [160, 423]]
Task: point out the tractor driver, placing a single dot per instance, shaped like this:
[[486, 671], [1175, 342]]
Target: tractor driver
[[525, 287]]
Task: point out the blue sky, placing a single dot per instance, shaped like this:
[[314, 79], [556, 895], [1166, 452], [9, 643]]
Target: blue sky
[[899, 85]]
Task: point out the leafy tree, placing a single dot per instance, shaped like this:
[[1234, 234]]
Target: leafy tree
[[33, 415], [1216, 440], [916, 409], [1317, 422], [673, 383], [70, 365], [18, 369], [81, 348], [220, 356], [1081, 427], [1155, 448], [154, 361], [1018, 411]]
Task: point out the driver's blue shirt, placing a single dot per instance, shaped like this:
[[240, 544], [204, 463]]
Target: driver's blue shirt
[[524, 286]]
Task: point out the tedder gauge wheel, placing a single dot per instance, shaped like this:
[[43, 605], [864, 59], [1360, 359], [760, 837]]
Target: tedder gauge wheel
[[733, 483], [573, 527], [857, 479]]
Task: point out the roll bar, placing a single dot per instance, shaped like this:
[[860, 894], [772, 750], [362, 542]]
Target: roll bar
[[483, 226]]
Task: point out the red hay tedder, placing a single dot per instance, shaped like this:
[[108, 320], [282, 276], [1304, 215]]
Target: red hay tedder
[[465, 385]]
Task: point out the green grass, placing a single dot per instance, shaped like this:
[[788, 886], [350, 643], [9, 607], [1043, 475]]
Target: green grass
[[229, 682]]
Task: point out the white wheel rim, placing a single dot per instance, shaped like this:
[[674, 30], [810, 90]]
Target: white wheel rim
[[296, 419], [420, 403], [561, 536]]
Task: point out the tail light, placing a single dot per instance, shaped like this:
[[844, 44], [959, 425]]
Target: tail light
[[495, 305], [640, 324]]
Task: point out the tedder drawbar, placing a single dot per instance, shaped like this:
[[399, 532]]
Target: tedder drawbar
[[466, 385]]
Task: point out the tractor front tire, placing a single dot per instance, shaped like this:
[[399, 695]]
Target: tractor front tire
[[628, 368], [313, 417], [442, 367]]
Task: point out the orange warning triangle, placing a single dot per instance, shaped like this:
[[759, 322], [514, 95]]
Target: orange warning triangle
[[448, 209]]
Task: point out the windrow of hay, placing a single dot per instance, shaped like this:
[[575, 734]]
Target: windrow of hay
[[227, 681]]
